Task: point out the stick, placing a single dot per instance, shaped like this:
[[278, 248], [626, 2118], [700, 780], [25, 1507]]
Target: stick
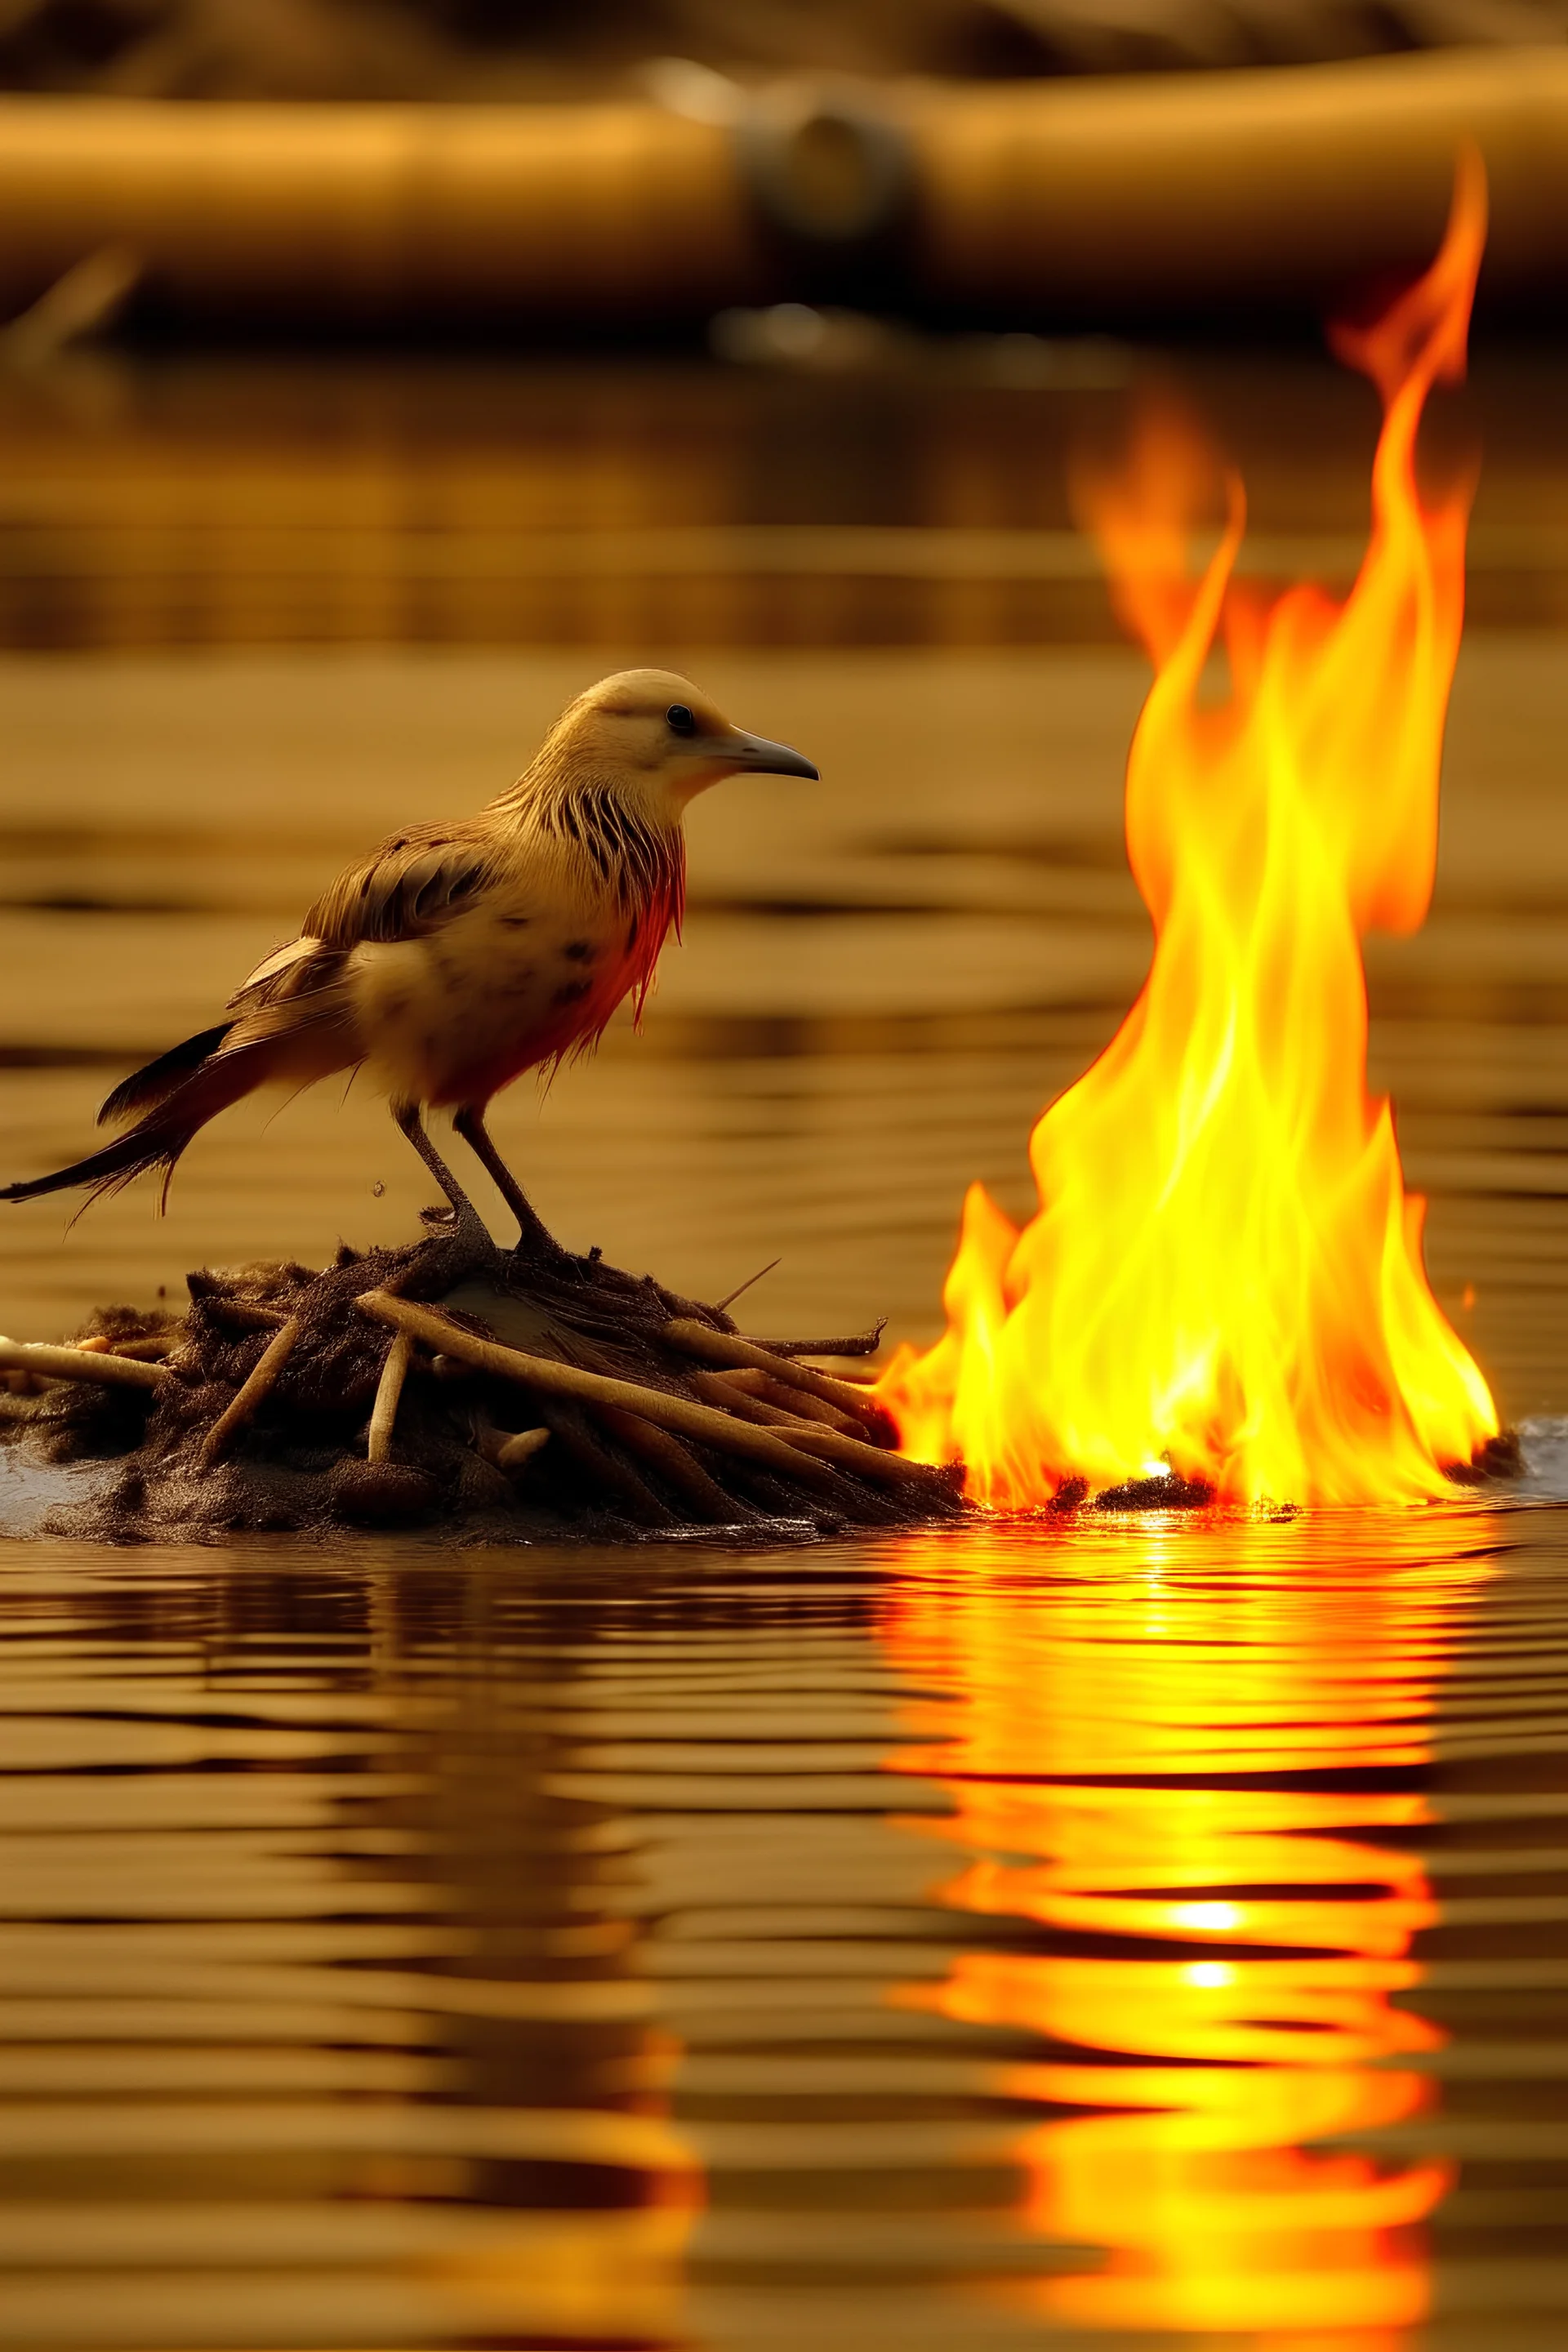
[[727, 1347], [873, 1462], [233, 1308], [240, 1314], [521, 1448], [506, 1449], [242, 1407], [798, 1402], [669, 1457], [102, 1370], [158, 1344], [720, 1390], [749, 1283], [388, 1391], [675, 1413], [877, 1462], [618, 1481], [858, 1343]]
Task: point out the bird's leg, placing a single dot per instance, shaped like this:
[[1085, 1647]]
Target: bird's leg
[[534, 1237], [470, 1225]]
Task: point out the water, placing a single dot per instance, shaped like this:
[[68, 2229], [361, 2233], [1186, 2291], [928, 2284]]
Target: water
[[1149, 1932], [1158, 1929]]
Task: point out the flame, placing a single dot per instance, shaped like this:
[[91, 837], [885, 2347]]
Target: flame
[[1224, 1278]]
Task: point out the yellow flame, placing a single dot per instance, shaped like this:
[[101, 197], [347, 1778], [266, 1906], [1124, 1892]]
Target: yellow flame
[[1226, 1272]]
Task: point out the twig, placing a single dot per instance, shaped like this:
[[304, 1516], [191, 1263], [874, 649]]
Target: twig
[[521, 1448], [877, 1462], [669, 1457], [240, 1314], [388, 1391], [618, 1481], [102, 1370], [742, 1287], [728, 1349], [858, 1343], [676, 1413], [505, 1449], [871, 1462], [721, 1390], [799, 1402], [239, 1311], [155, 1345], [243, 1406]]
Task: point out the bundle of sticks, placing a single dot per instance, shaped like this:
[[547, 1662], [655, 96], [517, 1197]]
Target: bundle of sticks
[[501, 1400]]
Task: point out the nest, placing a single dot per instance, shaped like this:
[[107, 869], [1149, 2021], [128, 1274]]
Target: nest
[[498, 1399]]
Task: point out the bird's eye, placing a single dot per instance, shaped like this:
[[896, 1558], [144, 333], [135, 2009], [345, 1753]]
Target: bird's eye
[[679, 719]]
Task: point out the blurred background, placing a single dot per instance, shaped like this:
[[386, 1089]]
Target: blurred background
[[342, 439], [552, 49]]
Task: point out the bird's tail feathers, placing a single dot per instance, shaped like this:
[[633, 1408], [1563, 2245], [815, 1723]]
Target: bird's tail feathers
[[159, 1080], [158, 1140]]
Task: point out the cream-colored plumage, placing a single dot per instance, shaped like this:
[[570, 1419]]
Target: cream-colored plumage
[[456, 957]]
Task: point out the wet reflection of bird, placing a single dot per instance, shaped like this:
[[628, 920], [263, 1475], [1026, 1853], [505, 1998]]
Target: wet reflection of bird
[[457, 956]]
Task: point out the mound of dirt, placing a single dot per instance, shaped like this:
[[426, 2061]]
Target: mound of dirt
[[487, 1399]]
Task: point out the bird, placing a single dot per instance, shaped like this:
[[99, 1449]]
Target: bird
[[459, 955]]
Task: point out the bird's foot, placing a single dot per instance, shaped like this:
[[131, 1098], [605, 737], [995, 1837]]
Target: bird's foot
[[537, 1249], [463, 1228], [535, 1245]]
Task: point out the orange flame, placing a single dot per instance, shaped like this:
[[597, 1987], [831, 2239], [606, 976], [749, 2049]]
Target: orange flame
[[1225, 1272]]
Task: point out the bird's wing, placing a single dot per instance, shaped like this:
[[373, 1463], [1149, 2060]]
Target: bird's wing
[[303, 967], [290, 990], [404, 890]]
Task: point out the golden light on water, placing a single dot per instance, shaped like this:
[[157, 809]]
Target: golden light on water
[[1222, 1935]]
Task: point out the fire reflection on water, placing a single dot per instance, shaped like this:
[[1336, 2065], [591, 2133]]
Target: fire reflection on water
[[1196, 1771]]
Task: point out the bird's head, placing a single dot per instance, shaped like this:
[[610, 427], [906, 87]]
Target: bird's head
[[653, 736]]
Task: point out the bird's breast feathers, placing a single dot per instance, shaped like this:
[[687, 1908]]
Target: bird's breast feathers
[[526, 975]]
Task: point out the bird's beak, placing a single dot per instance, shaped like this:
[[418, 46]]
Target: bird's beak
[[753, 754]]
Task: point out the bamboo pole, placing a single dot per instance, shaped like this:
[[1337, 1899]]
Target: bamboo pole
[[361, 214], [1157, 197], [1116, 200]]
